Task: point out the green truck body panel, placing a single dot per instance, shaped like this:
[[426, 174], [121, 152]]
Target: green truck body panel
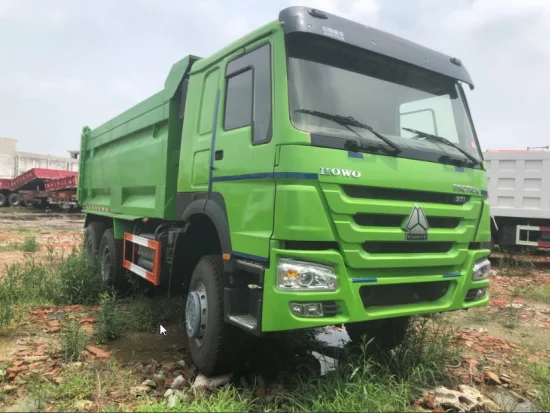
[[129, 165], [137, 165]]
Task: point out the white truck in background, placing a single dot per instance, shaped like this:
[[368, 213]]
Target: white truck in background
[[519, 196]]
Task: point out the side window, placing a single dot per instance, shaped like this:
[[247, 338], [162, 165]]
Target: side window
[[208, 102], [248, 94], [238, 103]]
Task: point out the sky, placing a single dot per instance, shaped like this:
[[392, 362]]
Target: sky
[[65, 63]]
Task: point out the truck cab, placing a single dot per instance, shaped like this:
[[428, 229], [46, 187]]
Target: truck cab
[[315, 172]]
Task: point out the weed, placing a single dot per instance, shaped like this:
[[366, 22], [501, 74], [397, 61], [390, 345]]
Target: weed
[[541, 294], [38, 391], [89, 383], [6, 315], [140, 316], [108, 326], [30, 244], [73, 341], [80, 279], [514, 265], [227, 399], [510, 317], [358, 384], [429, 347], [30, 282], [540, 374], [479, 316]]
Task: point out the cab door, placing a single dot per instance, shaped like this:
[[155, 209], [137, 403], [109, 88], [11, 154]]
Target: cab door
[[244, 152]]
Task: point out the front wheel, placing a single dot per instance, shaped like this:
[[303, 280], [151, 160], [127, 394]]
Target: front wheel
[[2, 200], [385, 334], [212, 342]]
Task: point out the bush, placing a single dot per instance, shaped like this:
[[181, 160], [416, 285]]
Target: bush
[[80, 279], [30, 244], [30, 283], [6, 314], [109, 322], [73, 341]]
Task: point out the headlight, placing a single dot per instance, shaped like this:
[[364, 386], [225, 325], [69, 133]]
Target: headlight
[[481, 270], [304, 276]]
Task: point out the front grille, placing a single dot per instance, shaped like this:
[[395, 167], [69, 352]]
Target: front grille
[[406, 247], [367, 192], [401, 294], [387, 220]]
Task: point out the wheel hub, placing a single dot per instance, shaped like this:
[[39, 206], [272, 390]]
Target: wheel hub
[[196, 314]]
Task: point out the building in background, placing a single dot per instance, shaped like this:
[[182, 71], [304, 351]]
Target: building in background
[[14, 163]]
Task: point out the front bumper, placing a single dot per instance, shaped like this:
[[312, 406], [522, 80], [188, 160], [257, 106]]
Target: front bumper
[[277, 315]]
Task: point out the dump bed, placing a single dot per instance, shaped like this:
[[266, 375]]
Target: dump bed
[[4, 183], [129, 165], [35, 178], [519, 183], [69, 182]]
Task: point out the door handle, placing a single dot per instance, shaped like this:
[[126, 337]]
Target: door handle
[[218, 155]]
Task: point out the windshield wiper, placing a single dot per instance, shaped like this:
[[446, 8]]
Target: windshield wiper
[[348, 121], [445, 141]]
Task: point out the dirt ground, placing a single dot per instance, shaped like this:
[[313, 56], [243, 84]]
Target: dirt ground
[[514, 328], [56, 230]]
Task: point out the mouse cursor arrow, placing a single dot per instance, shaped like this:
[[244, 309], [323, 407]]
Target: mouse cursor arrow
[[162, 330]]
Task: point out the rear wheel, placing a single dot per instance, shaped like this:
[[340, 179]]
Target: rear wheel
[[92, 237], [212, 342], [14, 200], [385, 334], [2, 200], [110, 257]]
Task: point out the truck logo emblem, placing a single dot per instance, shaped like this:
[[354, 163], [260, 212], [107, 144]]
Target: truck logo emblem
[[340, 172], [466, 189], [416, 226]]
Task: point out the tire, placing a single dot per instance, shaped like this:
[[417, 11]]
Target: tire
[[216, 352], [92, 237], [110, 255], [386, 334], [2, 200], [14, 200]]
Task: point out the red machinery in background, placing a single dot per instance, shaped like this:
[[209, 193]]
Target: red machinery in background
[[41, 188]]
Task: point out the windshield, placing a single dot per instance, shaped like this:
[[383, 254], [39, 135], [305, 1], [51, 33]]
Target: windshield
[[388, 95]]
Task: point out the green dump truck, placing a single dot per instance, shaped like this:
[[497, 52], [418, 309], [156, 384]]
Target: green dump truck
[[314, 172]]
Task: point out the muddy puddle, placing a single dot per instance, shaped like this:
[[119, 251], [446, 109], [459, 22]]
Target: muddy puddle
[[510, 401], [262, 355], [6, 348], [143, 347]]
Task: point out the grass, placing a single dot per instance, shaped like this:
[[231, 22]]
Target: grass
[[227, 399], [479, 315], [29, 244], [540, 294], [136, 314], [511, 265], [51, 278], [80, 279], [80, 383], [540, 374]]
